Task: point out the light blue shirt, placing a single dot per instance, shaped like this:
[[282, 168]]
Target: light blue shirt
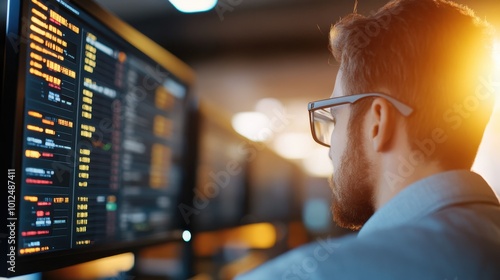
[[444, 227]]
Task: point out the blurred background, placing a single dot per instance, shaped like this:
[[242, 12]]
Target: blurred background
[[258, 63]]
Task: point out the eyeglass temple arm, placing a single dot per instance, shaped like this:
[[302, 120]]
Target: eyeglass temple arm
[[402, 108]]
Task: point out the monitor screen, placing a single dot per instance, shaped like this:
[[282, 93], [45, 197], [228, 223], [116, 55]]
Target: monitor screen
[[240, 181], [275, 188], [96, 117], [220, 196]]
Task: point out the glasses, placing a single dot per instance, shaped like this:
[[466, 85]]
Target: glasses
[[322, 122]]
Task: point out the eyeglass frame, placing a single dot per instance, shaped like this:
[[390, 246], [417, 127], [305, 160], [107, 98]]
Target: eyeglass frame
[[404, 109]]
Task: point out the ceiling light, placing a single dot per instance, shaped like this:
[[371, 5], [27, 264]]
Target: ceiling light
[[193, 6], [252, 125]]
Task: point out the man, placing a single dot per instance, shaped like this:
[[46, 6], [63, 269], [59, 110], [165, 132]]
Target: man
[[410, 104]]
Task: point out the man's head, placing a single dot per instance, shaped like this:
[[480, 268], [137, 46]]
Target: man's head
[[432, 55]]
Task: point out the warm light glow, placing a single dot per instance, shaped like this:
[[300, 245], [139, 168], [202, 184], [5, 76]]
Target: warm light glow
[[193, 6], [97, 269], [269, 106], [496, 55], [252, 125], [487, 161], [318, 164], [293, 145], [257, 236], [496, 73]]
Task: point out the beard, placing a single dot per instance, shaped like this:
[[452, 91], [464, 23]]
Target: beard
[[352, 203]]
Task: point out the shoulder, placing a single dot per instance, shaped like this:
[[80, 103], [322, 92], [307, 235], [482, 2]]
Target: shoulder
[[446, 245], [300, 263]]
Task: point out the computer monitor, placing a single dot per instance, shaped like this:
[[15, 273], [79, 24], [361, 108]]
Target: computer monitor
[[276, 189], [239, 181], [94, 121], [221, 192]]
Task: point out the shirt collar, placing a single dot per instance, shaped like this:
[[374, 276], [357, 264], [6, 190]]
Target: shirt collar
[[429, 195]]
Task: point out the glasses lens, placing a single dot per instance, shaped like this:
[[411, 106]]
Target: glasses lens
[[323, 126]]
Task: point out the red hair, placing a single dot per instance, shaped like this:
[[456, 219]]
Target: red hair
[[434, 55]]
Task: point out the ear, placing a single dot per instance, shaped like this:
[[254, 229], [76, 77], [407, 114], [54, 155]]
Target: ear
[[381, 124]]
